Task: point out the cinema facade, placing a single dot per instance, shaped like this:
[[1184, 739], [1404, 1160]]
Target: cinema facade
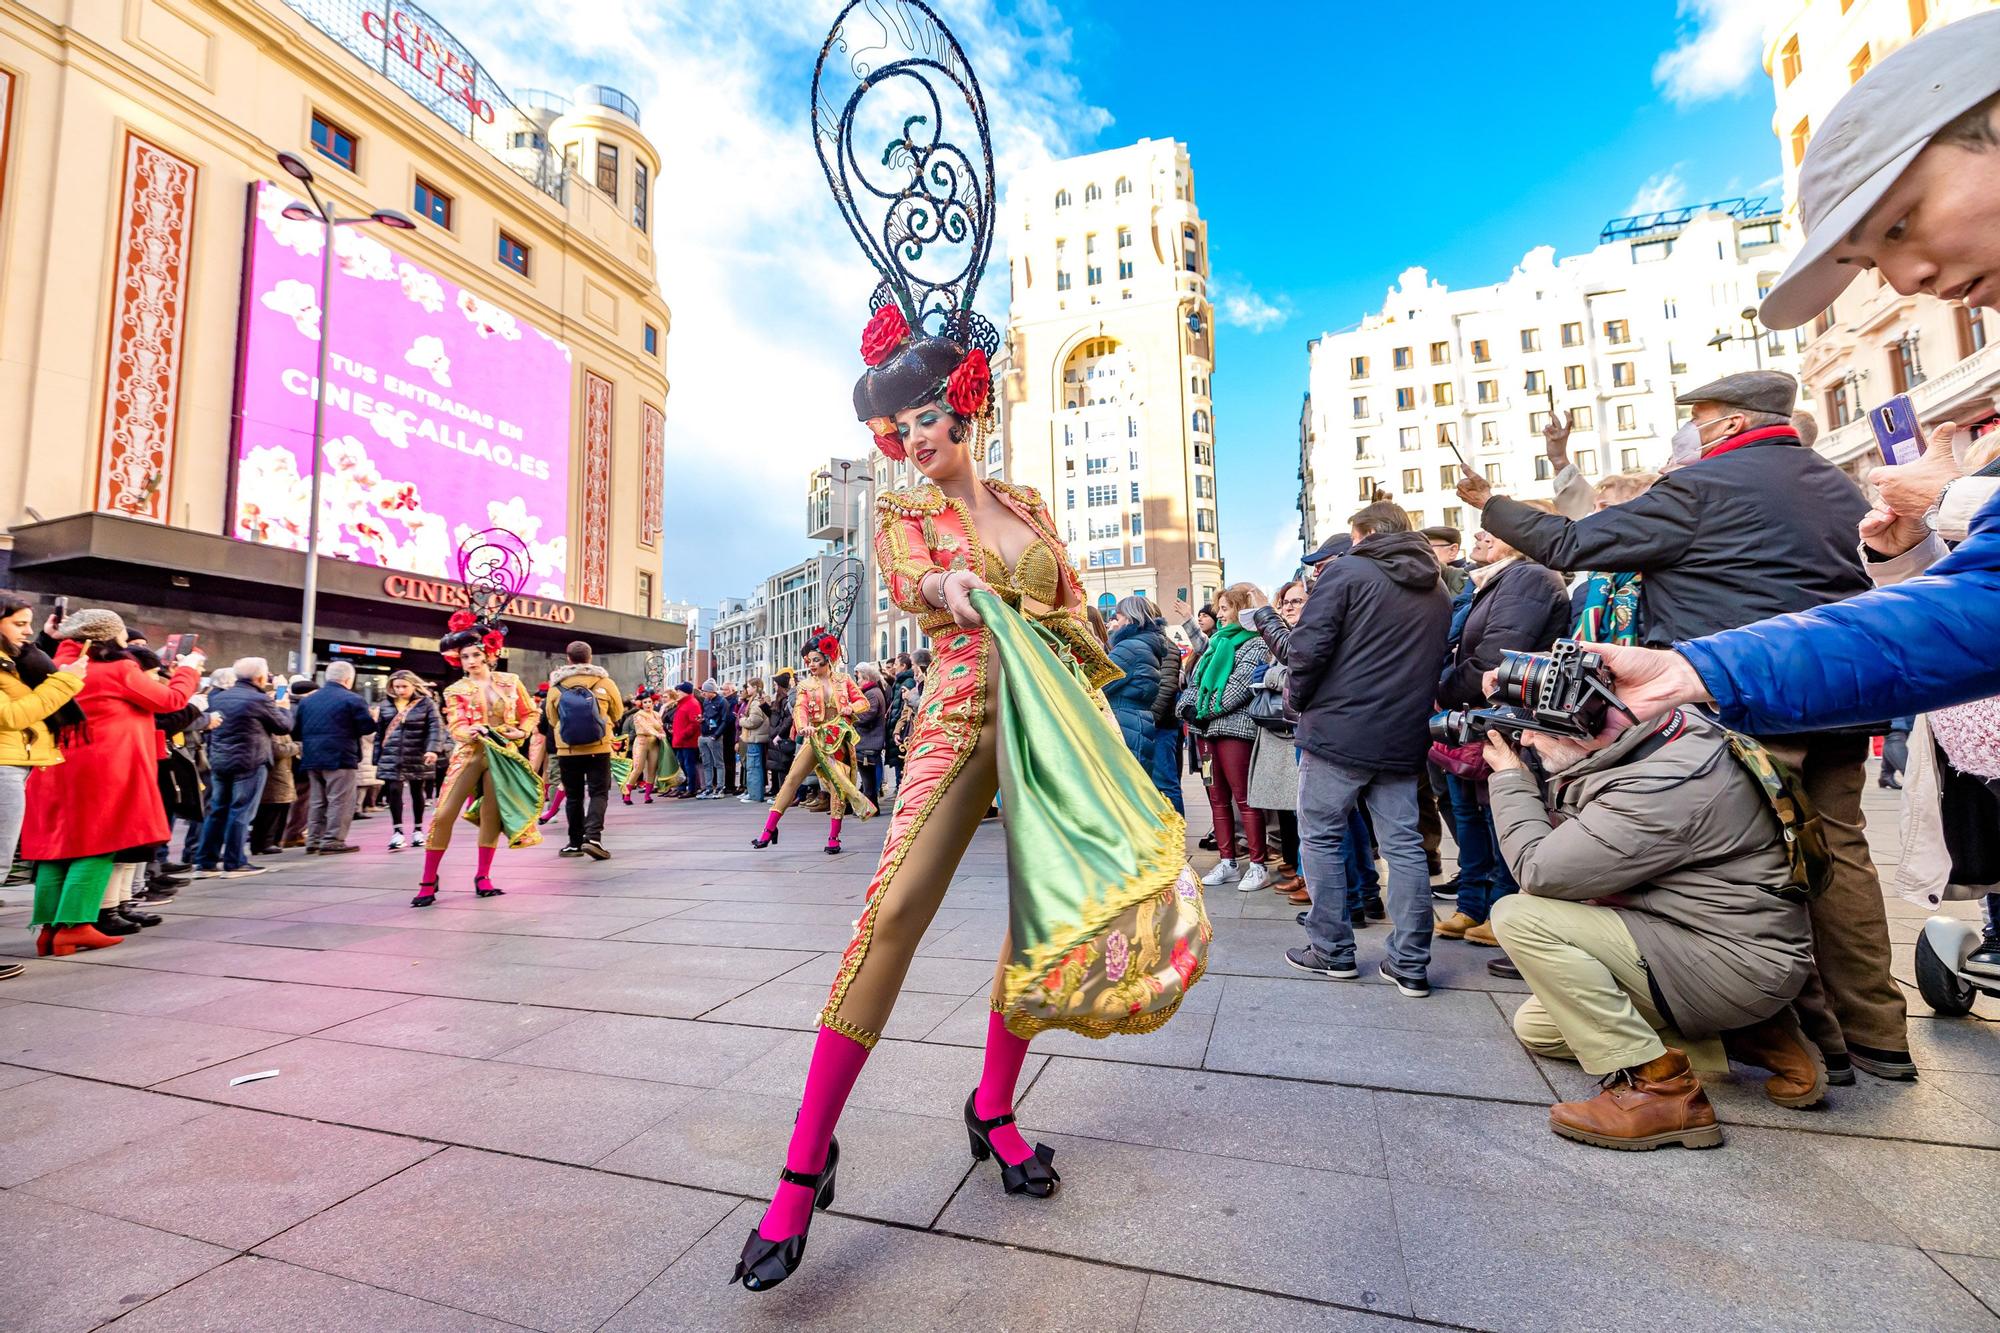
[[501, 364]]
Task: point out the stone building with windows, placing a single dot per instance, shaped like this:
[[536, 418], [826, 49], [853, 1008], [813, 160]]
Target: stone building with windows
[[1106, 400], [1609, 337], [154, 459], [1872, 343]]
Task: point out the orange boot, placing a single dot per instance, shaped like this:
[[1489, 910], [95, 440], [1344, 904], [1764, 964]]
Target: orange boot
[[1646, 1106], [68, 939]]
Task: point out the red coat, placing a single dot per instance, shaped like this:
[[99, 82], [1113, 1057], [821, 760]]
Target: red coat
[[687, 723], [105, 795]]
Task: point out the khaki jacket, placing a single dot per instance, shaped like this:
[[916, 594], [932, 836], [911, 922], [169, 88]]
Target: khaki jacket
[[610, 706]]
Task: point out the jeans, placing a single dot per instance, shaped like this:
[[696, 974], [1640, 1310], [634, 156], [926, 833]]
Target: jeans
[[1329, 793], [232, 803], [330, 805], [1478, 850], [1165, 763], [711, 765], [13, 808], [753, 770], [586, 784], [1357, 863], [689, 758]]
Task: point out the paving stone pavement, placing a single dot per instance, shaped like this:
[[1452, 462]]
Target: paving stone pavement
[[562, 1109]]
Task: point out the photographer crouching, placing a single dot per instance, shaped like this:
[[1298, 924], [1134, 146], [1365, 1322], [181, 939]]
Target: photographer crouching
[[1661, 903]]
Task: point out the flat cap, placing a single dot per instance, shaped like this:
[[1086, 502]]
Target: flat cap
[[1751, 391], [1338, 544], [1448, 535]]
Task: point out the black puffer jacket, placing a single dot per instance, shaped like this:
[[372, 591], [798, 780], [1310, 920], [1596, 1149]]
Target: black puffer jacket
[[242, 744], [1764, 529], [1521, 607], [399, 756], [1364, 655]]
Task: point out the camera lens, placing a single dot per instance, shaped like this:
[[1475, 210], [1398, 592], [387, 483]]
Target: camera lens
[[1520, 679]]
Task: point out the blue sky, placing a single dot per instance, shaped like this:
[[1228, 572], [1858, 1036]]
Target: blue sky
[[1334, 145]]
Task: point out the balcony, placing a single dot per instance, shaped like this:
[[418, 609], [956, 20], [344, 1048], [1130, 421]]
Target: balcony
[[604, 95]]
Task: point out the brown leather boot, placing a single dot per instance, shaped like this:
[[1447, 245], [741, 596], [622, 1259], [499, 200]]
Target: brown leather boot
[[1641, 1108], [1798, 1072]]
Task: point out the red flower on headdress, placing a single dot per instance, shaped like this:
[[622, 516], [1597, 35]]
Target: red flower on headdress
[[828, 647], [886, 439], [886, 331], [493, 641], [461, 620], [970, 385]]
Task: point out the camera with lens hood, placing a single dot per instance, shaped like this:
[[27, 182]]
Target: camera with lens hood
[[1563, 692]]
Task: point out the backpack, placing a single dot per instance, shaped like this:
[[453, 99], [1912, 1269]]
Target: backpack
[[578, 723], [1805, 835]]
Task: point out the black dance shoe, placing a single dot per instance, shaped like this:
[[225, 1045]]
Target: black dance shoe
[[1034, 1176], [766, 1263], [428, 894]]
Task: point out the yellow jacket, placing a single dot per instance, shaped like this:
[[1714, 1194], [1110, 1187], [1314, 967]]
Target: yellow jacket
[[24, 742]]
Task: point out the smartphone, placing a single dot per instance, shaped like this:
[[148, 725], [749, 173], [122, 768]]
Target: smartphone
[[188, 641], [1896, 431], [283, 688], [170, 651], [62, 608]]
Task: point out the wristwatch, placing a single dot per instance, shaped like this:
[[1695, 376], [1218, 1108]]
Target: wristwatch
[[1932, 514]]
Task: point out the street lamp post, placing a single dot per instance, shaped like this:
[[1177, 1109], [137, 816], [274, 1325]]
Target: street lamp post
[[296, 167], [1753, 337]]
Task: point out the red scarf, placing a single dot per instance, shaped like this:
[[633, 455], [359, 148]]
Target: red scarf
[[1774, 434]]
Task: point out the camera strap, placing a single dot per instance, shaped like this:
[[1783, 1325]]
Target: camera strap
[[1805, 835]]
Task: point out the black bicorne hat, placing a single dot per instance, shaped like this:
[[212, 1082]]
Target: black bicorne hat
[[916, 374]]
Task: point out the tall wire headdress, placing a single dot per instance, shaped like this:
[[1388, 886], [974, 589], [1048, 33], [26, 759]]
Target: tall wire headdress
[[921, 207], [493, 564]]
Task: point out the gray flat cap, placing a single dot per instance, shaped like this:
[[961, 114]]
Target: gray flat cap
[[1752, 391], [1868, 141]]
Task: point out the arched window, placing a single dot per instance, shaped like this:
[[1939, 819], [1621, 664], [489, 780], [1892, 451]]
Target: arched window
[[1091, 194], [1105, 601], [1201, 421], [1124, 186], [1062, 198]]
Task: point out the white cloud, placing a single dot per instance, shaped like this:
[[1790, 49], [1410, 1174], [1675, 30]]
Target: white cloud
[[1662, 190], [1720, 50], [1240, 306], [768, 291], [1275, 561]]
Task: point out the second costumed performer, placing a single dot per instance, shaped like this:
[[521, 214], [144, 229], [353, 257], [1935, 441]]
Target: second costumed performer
[[1106, 925], [824, 705]]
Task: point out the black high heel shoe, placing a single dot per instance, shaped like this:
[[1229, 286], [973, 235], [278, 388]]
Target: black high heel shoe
[[488, 892], [428, 895], [766, 1263], [1034, 1176], [765, 841]]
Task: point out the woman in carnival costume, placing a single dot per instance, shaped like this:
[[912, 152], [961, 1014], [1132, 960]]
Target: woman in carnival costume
[[489, 716], [824, 706], [1106, 927]]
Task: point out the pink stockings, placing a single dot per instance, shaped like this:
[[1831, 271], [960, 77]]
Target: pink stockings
[[836, 1063], [1005, 1053], [434, 857], [485, 862]]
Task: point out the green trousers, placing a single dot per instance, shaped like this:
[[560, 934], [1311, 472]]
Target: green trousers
[[70, 893]]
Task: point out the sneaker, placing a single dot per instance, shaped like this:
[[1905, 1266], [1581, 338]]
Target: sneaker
[[747, 800], [1301, 917], [1417, 988], [1256, 877], [174, 867], [1448, 889], [1985, 960], [1311, 960], [244, 871], [336, 848], [1224, 873], [416, 840], [8, 971], [1893, 1065], [207, 872], [396, 841], [573, 849], [594, 849], [155, 896]]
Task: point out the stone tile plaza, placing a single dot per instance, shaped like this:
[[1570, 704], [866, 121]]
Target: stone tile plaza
[[559, 1110]]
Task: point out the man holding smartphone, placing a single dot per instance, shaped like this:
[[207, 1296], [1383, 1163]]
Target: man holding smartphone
[[1749, 524]]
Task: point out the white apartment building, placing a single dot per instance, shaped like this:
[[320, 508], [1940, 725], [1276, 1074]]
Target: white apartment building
[[737, 641], [794, 602], [1111, 339], [1871, 344], [1610, 337]]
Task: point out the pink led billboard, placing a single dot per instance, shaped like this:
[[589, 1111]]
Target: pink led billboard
[[445, 414]]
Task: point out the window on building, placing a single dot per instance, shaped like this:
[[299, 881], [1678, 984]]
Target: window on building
[[1093, 274], [1617, 332], [1572, 335], [1098, 496], [513, 254], [1126, 270], [1204, 520], [1489, 433], [1441, 394], [1801, 132], [1069, 500], [1623, 376], [1444, 434], [433, 203], [607, 170], [1535, 381], [1201, 421], [1094, 467], [1091, 194], [1573, 377], [528, 139], [1452, 516], [1905, 372], [1364, 488], [1859, 65], [333, 143], [651, 338], [1409, 439], [1586, 462], [1413, 480], [1440, 353], [1628, 460], [1531, 340], [1139, 522], [1789, 63], [1971, 330], [1062, 282], [1062, 198], [1406, 400], [1582, 418], [1139, 556], [1191, 249], [640, 195], [1124, 186], [1670, 307], [1132, 433], [1481, 353], [1839, 404], [1357, 367], [1090, 244], [1403, 358], [1537, 420], [1135, 485], [1204, 487], [1447, 476], [1628, 417], [1361, 446], [1544, 469], [1489, 391], [645, 597], [1204, 454], [1493, 473]]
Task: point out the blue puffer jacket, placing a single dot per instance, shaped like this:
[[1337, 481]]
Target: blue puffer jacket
[[1910, 648], [1135, 649]]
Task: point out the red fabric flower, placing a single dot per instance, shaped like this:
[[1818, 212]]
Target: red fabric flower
[[886, 439], [970, 385], [885, 333], [493, 641], [461, 620]]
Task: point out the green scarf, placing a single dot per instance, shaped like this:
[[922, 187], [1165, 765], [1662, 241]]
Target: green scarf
[[1216, 664]]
